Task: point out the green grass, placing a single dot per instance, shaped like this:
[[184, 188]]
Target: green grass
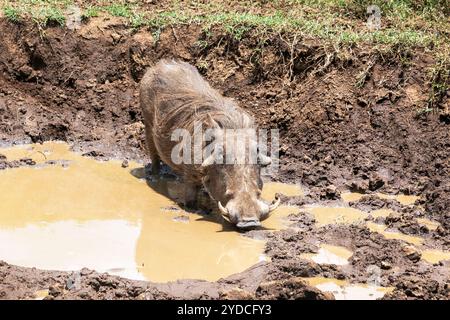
[[91, 12], [238, 24], [49, 14], [406, 22], [12, 13], [439, 76], [119, 10], [42, 12]]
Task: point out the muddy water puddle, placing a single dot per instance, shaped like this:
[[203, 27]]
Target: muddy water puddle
[[430, 224], [289, 190], [343, 290], [333, 215], [382, 229], [403, 199], [435, 256], [93, 214], [329, 254], [41, 294]]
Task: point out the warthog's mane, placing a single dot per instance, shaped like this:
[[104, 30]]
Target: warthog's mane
[[186, 98]]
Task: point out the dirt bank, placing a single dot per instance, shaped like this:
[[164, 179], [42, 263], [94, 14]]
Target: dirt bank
[[349, 119]]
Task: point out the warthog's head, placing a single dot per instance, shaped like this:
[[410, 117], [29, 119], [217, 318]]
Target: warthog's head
[[237, 185]]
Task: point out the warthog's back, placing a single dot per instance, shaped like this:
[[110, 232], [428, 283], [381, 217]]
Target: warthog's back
[[175, 92], [175, 96]]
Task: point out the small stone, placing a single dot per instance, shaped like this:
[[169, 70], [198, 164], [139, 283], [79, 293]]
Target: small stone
[[85, 271], [376, 181], [27, 161], [55, 290], [331, 192], [328, 159], [116, 37], [136, 290], [359, 185], [120, 293], [441, 231], [270, 95], [393, 217], [184, 219], [412, 253], [93, 154], [385, 265], [125, 164], [84, 294], [362, 102], [236, 294]]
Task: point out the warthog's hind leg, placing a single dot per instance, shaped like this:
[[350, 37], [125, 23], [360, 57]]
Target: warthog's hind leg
[[156, 166]]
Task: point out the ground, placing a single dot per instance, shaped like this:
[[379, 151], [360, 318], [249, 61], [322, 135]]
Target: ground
[[367, 115]]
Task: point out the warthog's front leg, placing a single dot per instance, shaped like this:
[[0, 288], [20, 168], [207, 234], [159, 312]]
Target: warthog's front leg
[[190, 194], [156, 166]]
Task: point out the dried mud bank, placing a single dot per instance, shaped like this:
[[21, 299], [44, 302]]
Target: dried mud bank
[[349, 120]]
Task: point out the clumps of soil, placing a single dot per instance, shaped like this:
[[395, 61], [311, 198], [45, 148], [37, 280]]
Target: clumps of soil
[[24, 283], [404, 218], [302, 220], [28, 162], [406, 224], [4, 164], [372, 202], [417, 288], [290, 289], [436, 200]]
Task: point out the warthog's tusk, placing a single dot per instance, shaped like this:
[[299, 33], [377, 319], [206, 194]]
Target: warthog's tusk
[[275, 204], [223, 211]]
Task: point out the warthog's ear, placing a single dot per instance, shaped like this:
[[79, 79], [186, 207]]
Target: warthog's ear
[[213, 124], [263, 160]]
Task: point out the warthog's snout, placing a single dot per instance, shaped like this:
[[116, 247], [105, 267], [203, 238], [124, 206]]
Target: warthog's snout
[[243, 217], [248, 223]]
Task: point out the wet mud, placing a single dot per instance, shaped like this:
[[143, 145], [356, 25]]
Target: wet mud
[[365, 177]]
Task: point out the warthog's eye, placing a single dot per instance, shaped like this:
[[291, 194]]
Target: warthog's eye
[[229, 193]]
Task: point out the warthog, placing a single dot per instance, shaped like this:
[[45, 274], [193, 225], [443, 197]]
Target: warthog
[[173, 95]]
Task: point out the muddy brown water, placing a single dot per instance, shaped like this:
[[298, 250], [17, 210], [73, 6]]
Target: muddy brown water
[[329, 254], [402, 198], [68, 212], [343, 290], [95, 214]]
